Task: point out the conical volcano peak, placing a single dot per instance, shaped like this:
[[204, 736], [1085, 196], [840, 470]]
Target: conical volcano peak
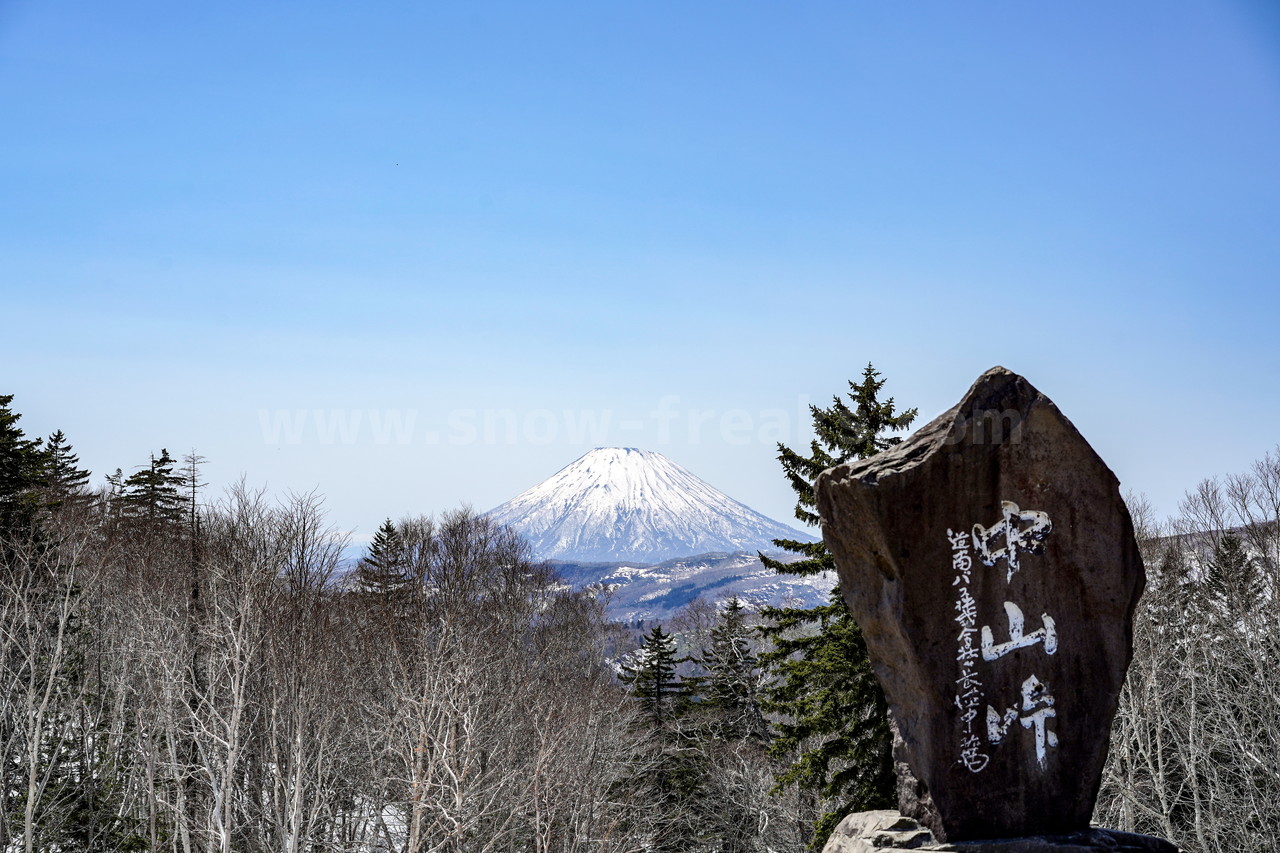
[[625, 503]]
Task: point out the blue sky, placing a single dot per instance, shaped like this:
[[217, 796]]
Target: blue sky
[[528, 229]]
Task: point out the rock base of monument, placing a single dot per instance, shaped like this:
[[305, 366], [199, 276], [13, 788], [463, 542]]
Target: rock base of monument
[[867, 832]]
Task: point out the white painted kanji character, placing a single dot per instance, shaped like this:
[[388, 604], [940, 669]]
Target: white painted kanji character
[[1016, 537], [998, 724], [1037, 701], [973, 760], [966, 608], [1037, 710], [959, 541], [991, 650]]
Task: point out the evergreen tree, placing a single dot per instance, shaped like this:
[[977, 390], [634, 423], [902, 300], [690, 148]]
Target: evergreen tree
[[115, 484], [66, 484], [153, 498], [651, 673], [670, 770], [384, 570], [730, 686], [22, 470], [834, 729], [733, 731], [1233, 578], [111, 502]]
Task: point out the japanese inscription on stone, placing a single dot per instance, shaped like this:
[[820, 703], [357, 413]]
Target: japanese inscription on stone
[[993, 573], [1036, 702]]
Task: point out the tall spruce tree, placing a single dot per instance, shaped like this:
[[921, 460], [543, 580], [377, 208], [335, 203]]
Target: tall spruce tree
[[66, 484], [670, 773], [1233, 578], [384, 570], [154, 497], [731, 733], [651, 674], [23, 464], [730, 687], [834, 726]]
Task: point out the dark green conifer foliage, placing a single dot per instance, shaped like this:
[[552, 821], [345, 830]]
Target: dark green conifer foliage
[[22, 470], [66, 484], [730, 687], [154, 497], [841, 434], [651, 673], [834, 728], [385, 569], [670, 772], [1233, 578], [733, 727]]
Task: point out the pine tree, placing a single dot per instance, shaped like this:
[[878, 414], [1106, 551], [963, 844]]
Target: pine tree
[[22, 470], [384, 570], [733, 733], [153, 497], [670, 772], [115, 484], [730, 686], [111, 502], [1233, 578], [651, 673], [66, 484], [834, 727]]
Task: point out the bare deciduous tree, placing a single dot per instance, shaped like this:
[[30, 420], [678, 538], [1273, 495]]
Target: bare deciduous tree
[[1195, 753]]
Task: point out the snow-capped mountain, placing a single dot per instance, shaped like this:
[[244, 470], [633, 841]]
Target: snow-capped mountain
[[622, 503]]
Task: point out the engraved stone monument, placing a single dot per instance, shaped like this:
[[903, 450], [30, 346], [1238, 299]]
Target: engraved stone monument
[[992, 566]]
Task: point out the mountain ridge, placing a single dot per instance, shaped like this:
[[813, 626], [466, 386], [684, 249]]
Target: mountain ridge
[[659, 591], [627, 504]]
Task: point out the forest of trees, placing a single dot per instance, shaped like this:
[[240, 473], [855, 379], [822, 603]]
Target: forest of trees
[[190, 673], [1195, 748]]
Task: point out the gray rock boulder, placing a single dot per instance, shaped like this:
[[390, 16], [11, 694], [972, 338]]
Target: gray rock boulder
[[869, 832], [991, 564]]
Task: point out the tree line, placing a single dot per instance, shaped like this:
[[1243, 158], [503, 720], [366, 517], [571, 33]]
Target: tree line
[[182, 674], [1195, 748]]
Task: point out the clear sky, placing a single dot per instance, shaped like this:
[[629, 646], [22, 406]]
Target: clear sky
[[527, 229]]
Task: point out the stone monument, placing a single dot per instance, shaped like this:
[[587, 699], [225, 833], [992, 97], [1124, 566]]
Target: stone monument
[[991, 564]]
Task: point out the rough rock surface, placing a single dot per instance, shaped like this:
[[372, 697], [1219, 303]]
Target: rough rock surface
[[913, 796], [991, 564], [867, 832]]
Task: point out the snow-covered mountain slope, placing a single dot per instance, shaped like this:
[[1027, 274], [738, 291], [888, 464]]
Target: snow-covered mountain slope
[[659, 592], [621, 503]]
